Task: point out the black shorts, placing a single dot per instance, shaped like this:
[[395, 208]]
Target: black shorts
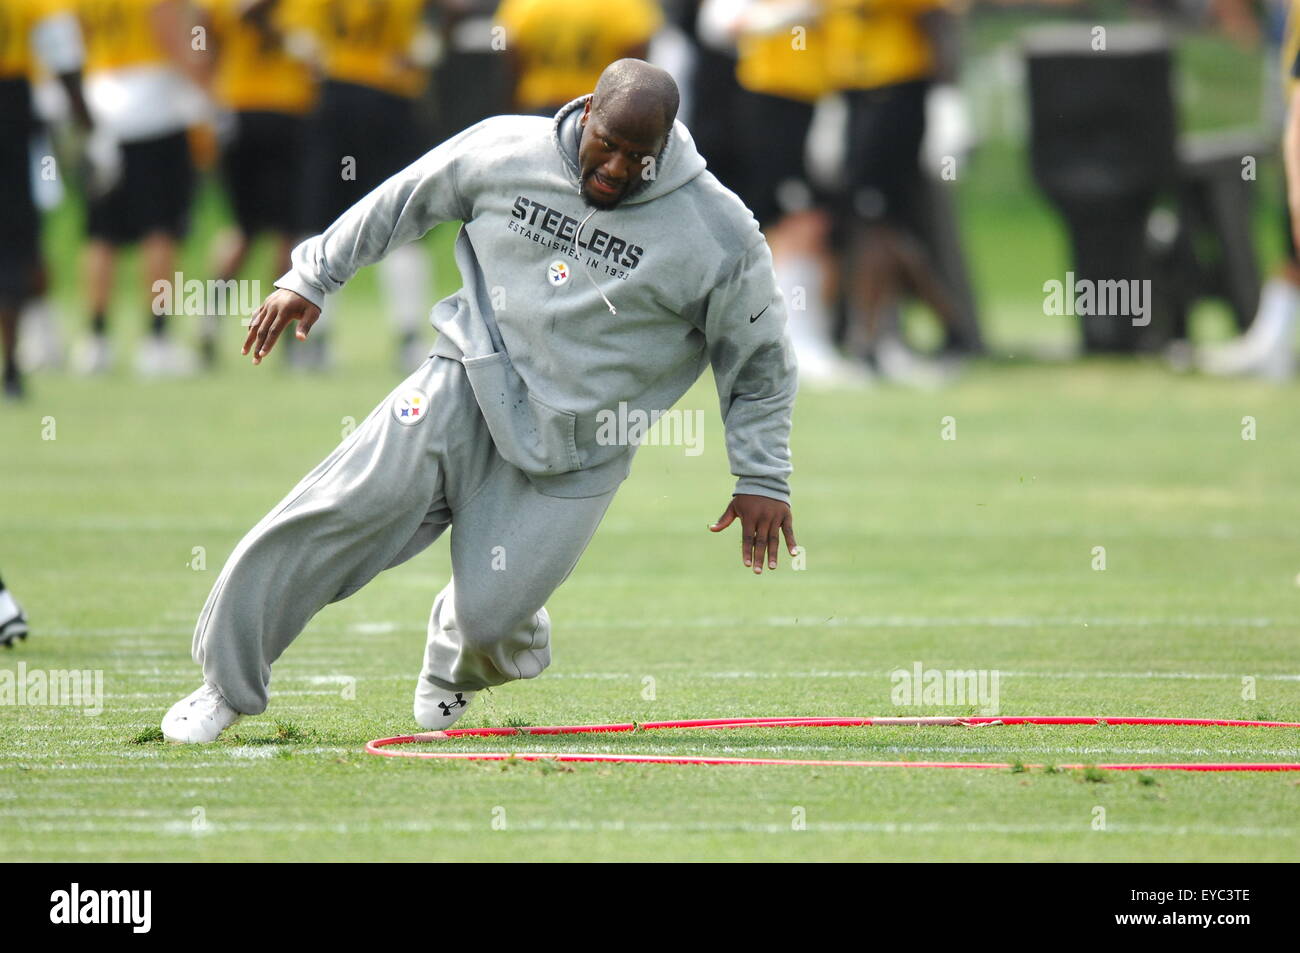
[[468, 86], [152, 195], [882, 161], [262, 168], [713, 122], [773, 131], [19, 221], [375, 130]]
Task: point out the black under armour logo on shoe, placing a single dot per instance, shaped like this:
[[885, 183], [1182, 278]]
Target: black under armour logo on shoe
[[448, 706]]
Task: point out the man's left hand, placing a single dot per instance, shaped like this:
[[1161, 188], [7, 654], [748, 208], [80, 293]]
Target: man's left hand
[[762, 521]]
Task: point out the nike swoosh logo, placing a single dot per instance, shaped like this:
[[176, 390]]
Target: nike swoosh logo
[[755, 317]]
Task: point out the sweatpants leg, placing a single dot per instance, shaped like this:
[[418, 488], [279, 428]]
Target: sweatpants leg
[[382, 496], [511, 547]]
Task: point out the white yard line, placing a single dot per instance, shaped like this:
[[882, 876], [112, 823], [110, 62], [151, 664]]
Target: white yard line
[[884, 673], [930, 622], [242, 754], [732, 621], [184, 826], [341, 678], [163, 780], [121, 766], [172, 694]]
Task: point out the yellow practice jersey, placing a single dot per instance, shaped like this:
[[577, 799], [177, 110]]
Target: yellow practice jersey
[[873, 43], [17, 20], [119, 33], [789, 62], [254, 72], [368, 42], [562, 46]]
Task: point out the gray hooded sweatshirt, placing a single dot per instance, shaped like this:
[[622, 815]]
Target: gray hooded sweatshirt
[[567, 311]]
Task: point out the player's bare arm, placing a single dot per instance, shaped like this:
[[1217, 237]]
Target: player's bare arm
[[763, 520], [278, 311]]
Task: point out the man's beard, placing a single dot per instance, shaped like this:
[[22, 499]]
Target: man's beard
[[635, 185], [596, 202]]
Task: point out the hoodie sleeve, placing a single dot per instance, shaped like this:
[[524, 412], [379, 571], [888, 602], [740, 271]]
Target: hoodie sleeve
[[754, 369], [403, 208]]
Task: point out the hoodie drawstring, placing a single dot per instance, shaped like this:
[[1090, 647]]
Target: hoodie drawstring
[[585, 270]]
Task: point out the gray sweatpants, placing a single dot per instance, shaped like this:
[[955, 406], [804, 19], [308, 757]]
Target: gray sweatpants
[[422, 461]]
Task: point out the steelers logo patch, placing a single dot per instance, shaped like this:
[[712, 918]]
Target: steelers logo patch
[[558, 273], [410, 406]]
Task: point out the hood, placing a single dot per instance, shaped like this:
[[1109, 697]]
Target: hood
[[679, 163]]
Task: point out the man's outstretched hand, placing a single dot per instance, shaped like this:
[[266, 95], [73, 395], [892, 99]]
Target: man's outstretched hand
[[277, 311], [762, 521]]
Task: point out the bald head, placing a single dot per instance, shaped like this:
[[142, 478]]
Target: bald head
[[634, 93], [625, 126]]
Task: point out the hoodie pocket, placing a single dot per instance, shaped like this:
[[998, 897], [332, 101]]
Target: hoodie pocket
[[529, 433]]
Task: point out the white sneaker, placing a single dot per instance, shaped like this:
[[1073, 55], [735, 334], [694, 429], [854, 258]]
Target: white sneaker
[[198, 717], [39, 347], [1247, 357], [832, 372], [436, 708], [94, 356], [900, 364], [163, 357], [1266, 349]]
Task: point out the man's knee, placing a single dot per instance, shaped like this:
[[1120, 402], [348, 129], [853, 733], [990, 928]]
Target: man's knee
[[485, 623]]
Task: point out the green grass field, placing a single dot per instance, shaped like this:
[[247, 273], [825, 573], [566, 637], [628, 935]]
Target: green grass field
[[973, 553]]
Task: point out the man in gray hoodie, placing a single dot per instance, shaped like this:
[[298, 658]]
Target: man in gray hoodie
[[603, 268]]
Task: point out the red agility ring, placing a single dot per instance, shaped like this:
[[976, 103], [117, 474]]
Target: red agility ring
[[379, 745]]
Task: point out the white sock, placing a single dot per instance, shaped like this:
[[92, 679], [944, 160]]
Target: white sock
[[406, 275]]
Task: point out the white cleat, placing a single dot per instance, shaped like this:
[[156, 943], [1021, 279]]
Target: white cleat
[[1266, 350], [901, 365], [436, 708], [1247, 357], [832, 372], [94, 356], [40, 346], [199, 717], [163, 357], [13, 621]]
